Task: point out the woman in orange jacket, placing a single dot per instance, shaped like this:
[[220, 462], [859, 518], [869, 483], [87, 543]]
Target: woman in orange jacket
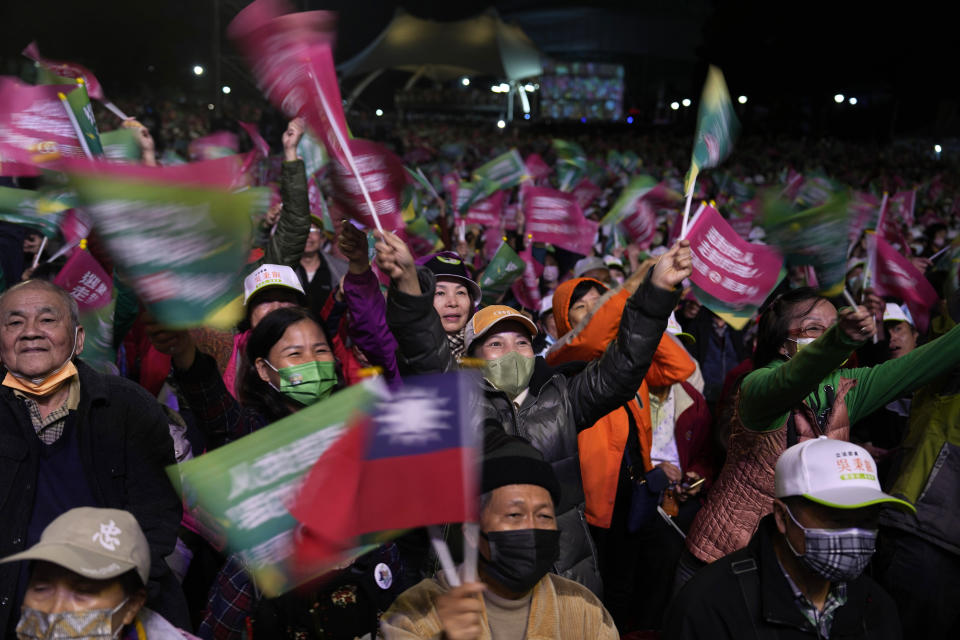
[[615, 454]]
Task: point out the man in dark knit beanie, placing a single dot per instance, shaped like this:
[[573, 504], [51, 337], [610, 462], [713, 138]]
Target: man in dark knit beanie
[[517, 596]]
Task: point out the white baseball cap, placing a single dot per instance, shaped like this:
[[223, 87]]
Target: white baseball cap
[[270, 275], [674, 328], [834, 473], [896, 313]]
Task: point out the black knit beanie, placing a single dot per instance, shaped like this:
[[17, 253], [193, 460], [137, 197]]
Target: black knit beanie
[[512, 460]]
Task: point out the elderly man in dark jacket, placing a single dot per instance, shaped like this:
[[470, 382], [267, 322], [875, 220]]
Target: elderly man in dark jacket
[[71, 437], [801, 575], [523, 394]]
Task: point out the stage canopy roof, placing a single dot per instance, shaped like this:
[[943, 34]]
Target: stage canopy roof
[[482, 45]]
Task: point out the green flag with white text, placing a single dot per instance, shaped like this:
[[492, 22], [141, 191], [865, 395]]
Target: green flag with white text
[[717, 126], [505, 267]]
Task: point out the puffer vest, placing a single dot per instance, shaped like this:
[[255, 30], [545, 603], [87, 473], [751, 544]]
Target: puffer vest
[[743, 493]]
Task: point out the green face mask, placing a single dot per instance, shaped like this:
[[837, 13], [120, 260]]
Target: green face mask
[[306, 383], [510, 373]]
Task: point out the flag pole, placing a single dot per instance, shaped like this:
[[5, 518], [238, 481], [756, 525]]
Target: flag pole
[[36, 258], [75, 124], [346, 150], [686, 213], [471, 532], [114, 110], [443, 553]]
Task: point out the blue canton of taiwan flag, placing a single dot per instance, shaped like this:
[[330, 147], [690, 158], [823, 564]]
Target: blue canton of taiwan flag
[[411, 462]]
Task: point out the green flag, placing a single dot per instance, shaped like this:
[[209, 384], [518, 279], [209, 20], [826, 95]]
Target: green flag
[[181, 241], [571, 163], [312, 152], [98, 349], [35, 209], [240, 492], [120, 145], [817, 236], [505, 267], [82, 110], [717, 126], [503, 172], [627, 202]]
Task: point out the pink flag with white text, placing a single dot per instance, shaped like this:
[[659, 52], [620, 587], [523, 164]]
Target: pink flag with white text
[[384, 177], [586, 192], [34, 127], [554, 217], [727, 267], [487, 212], [526, 289], [86, 281], [641, 225], [536, 167], [891, 274], [66, 70]]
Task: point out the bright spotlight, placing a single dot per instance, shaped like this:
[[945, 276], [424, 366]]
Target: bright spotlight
[[225, 89], [629, 119], [379, 112], [501, 124], [852, 101], [211, 107], [674, 105], [742, 99], [465, 81], [504, 87], [686, 102], [838, 98], [495, 88], [197, 70], [528, 88], [937, 148]]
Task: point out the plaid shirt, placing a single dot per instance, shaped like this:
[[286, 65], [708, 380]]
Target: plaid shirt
[[232, 599], [50, 429], [821, 620]]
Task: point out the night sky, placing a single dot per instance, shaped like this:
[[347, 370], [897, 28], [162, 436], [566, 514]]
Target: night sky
[[790, 56]]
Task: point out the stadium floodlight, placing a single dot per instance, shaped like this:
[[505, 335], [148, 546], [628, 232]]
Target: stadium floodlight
[[674, 105], [501, 124], [839, 98], [465, 81], [686, 102], [379, 112], [225, 89], [742, 99], [852, 101], [197, 70]]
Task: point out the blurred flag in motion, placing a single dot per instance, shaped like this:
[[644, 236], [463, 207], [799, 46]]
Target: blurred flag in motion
[[717, 126]]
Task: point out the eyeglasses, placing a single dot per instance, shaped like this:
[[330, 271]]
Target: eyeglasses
[[809, 331], [315, 229]]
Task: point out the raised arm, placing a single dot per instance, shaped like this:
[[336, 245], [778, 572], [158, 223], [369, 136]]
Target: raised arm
[[286, 245], [613, 380]]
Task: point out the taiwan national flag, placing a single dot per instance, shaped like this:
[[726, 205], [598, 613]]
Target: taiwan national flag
[[411, 462]]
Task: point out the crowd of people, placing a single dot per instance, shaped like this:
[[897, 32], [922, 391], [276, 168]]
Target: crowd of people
[[646, 467]]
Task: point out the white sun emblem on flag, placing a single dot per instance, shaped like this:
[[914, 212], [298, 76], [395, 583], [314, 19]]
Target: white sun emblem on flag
[[413, 417]]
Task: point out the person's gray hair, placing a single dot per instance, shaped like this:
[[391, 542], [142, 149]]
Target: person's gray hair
[[69, 302], [485, 499]]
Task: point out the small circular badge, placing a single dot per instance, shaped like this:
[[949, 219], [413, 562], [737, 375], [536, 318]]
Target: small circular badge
[[383, 576]]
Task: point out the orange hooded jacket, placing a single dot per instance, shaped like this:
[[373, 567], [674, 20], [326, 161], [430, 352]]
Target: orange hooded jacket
[[601, 446]]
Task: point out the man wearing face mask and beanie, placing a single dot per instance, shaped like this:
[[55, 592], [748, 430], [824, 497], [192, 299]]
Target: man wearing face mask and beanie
[[517, 596], [527, 397], [802, 574], [72, 437]]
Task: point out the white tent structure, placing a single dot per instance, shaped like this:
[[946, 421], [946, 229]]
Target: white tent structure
[[481, 45]]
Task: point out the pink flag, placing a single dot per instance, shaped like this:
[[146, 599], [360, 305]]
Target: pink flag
[[526, 289], [487, 212], [586, 192], [67, 70], [86, 281], [218, 144], [728, 268], [384, 178], [510, 214], [792, 188], [536, 167], [891, 274], [492, 237], [641, 225], [451, 184], [258, 142], [290, 56], [34, 126], [902, 206], [75, 226], [889, 227], [555, 217]]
